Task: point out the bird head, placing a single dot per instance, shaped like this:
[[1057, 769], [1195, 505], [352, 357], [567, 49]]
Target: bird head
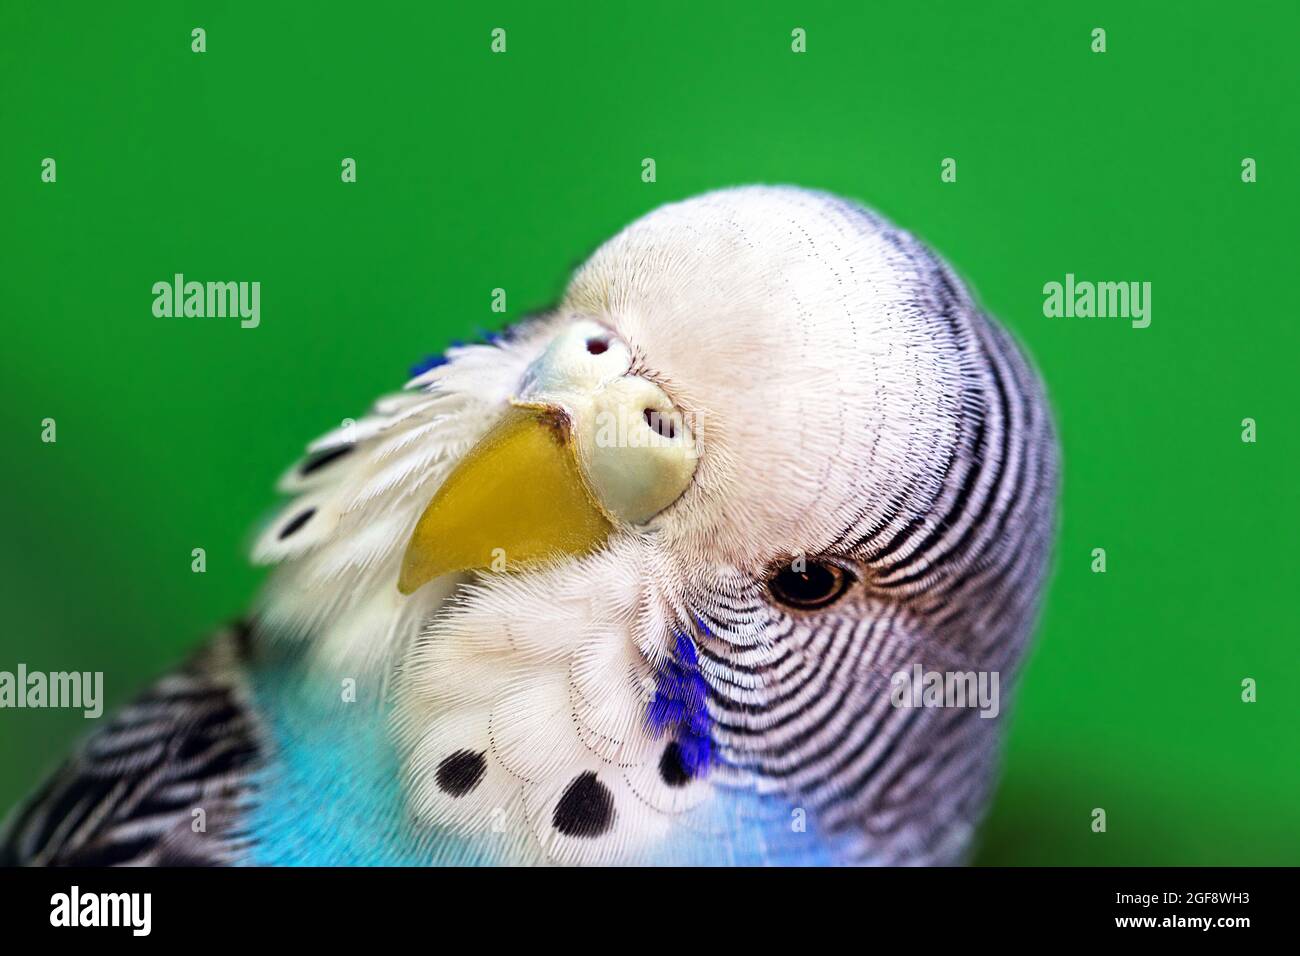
[[646, 568]]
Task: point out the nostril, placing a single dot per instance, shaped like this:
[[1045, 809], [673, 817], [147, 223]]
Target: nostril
[[662, 425], [598, 345]]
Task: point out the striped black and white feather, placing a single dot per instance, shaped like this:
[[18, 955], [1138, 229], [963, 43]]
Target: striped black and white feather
[[166, 783]]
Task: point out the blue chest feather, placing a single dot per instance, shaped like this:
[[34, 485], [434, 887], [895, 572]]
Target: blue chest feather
[[331, 795]]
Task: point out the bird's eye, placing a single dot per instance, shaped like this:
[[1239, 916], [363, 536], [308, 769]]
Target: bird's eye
[[817, 585]]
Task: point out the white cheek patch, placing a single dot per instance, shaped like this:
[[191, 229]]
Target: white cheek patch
[[605, 679], [531, 727], [531, 697], [456, 788], [664, 787], [591, 818]]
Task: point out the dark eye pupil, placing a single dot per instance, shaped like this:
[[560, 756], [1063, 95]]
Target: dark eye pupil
[[817, 585]]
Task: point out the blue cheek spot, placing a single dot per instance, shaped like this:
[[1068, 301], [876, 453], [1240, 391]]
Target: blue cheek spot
[[679, 705], [432, 361], [486, 336]]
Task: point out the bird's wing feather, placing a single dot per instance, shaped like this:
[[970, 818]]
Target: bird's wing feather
[[129, 795]]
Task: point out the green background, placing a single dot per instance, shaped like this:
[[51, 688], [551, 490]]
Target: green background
[[478, 171]]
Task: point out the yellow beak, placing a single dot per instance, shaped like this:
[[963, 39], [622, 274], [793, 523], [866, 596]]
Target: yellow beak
[[519, 497]]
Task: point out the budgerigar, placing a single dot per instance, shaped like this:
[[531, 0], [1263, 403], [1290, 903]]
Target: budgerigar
[[631, 584]]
